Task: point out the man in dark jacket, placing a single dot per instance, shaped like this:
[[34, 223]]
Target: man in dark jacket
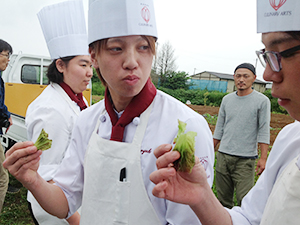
[[5, 52]]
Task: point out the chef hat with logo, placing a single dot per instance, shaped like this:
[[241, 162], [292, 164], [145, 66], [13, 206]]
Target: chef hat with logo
[[114, 18], [64, 29], [278, 15]]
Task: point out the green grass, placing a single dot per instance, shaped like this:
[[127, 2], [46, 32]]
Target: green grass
[[211, 119], [15, 210]]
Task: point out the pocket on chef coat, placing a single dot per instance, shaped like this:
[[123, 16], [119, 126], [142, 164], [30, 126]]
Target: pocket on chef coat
[[104, 189], [122, 202]]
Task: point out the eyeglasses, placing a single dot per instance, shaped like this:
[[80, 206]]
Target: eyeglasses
[[274, 58], [7, 56]]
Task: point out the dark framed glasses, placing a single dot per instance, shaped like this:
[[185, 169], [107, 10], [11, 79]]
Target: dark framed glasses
[[274, 58]]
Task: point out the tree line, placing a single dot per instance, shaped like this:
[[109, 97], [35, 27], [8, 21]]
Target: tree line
[[164, 68]]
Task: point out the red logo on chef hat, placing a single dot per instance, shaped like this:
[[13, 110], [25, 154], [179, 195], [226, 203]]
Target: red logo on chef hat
[[145, 14], [276, 7]]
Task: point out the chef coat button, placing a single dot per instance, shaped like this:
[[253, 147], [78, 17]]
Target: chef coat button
[[136, 121], [102, 118]]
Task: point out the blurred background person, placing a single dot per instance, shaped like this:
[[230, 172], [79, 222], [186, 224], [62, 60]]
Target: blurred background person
[[5, 53]]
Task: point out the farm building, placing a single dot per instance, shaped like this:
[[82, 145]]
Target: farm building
[[213, 81]]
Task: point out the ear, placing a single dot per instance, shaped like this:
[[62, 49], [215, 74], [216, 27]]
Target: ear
[[93, 58], [60, 65]]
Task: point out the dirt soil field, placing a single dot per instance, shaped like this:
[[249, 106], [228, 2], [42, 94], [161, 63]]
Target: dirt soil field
[[278, 121]]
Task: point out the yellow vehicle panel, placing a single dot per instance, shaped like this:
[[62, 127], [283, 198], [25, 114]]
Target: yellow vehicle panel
[[19, 96]]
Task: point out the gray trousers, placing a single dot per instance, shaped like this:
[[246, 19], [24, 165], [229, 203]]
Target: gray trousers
[[233, 174]]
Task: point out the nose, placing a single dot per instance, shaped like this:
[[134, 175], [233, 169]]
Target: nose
[[242, 79], [270, 75], [130, 59], [89, 71]]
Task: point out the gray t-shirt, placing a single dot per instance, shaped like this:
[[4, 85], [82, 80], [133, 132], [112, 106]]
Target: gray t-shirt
[[243, 122]]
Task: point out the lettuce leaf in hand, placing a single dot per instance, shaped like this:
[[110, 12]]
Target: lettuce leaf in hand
[[185, 145], [43, 143]]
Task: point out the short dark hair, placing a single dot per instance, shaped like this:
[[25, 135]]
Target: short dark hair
[[4, 46], [53, 74]]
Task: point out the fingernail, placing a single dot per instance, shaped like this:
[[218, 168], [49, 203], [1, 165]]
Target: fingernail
[[171, 170], [33, 148], [174, 153]]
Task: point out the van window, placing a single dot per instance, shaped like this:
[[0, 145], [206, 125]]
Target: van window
[[30, 74]]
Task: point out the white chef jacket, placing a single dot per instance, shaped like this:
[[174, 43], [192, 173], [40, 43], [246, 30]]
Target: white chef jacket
[[54, 111], [286, 147], [161, 129]]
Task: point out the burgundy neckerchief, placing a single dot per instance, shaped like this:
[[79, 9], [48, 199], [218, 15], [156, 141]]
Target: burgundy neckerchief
[[76, 98], [136, 107]]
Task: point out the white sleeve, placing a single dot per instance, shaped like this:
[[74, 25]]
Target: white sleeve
[[70, 176], [59, 130]]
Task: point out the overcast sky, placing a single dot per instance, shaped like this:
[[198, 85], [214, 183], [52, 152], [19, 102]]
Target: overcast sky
[[207, 35]]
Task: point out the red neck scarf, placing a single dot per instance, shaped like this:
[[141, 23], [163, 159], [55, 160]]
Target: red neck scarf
[[136, 107], [76, 98]]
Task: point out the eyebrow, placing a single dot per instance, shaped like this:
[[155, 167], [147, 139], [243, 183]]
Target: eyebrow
[[84, 60], [281, 40], [112, 40]]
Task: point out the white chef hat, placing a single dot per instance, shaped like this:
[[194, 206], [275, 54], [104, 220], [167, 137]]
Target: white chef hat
[[278, 15], [113, 18], [64, 29]]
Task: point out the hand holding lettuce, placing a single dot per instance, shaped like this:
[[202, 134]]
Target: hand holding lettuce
[[185, 145], [43, 143]]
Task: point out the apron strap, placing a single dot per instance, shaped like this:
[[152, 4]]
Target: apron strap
[[141, 128]]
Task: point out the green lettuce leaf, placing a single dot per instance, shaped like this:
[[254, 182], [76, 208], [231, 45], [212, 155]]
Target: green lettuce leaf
[[185, 145], [43, 143]]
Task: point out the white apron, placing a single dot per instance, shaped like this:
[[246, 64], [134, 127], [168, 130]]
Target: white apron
[[283, 205], [106, 199]]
